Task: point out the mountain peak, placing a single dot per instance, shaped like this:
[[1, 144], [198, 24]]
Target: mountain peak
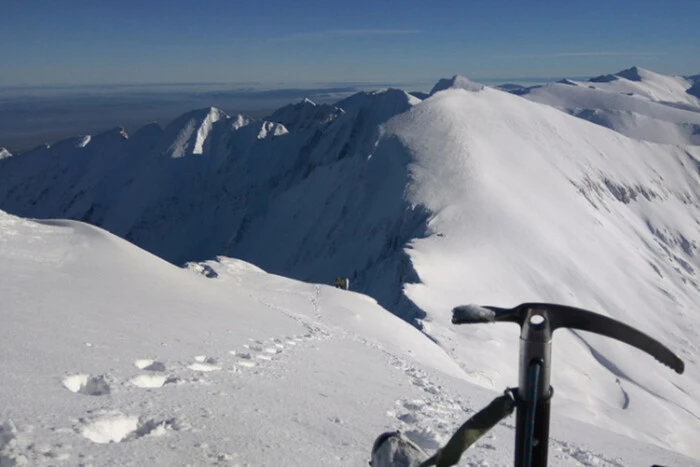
[[239, 121], [608, 78], [456, 82], [195, 126], [390, 98], [632, 74], [4, 153]]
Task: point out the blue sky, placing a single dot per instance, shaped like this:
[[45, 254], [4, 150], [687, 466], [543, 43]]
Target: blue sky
[[305, 42]]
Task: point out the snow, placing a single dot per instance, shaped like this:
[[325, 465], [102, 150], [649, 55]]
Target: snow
[[98, 338], [305, 115], [213, 116], [457, 82], [192, 130], [239, 121], [4, 153], [635, 102], [654, 86], [272, 129], [386, 101], [84, 141], [463, 197], [504, 239]]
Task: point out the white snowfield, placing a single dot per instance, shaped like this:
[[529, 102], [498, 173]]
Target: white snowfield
[[472, 195], [635, 102], [582, 216], [112, 356]]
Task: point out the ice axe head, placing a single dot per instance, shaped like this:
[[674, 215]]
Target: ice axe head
[[539, 320]]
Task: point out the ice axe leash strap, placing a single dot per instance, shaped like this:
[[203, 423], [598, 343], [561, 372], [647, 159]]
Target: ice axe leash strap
[[537, 323], [473, 429]]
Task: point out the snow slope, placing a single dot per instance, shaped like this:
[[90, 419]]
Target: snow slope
[[619, 237], [112, 356], [646, 83], [635, 102], [253, 180], [467, 196]]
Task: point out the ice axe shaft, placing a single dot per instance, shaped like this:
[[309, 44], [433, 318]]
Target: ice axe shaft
[[537, 323]]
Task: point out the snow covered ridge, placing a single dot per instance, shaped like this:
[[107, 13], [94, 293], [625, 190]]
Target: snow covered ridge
[[635, 102], [464, 197], [188, 369], [4, 153], [305, 115]]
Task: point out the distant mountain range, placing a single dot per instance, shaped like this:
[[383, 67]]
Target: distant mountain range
[[470, 194], [636, 102]]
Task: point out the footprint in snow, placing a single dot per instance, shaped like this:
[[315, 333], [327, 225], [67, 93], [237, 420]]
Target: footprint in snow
[[244, 359], [204, 363], [18, 446], [87, 384], [116, 427], [254, 347], [258, 350], [152, 381], [149, 365]]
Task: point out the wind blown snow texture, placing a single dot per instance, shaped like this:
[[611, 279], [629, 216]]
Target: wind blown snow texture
[[112, 356], [470, 196]]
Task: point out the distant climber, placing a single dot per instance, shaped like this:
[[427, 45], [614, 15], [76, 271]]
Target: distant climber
[[342, 283]]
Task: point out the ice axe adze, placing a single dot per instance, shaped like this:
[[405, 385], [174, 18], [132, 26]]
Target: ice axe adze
[[533, 396]]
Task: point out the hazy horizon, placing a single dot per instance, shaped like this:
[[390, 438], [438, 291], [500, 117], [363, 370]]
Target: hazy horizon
[[33, 115], [38, 114]]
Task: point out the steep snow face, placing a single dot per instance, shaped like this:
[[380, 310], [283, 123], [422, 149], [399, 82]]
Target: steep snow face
[[192, 131], [272, 129], [71, 177], [251, 175], [4, 153], [84, 141], [239, 121], [305, 115], [527, 203]]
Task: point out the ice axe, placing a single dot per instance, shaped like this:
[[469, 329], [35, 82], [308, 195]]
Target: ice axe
[[533, 396]]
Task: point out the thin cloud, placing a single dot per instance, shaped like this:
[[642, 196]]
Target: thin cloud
[[603, 53], [330, 33]]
